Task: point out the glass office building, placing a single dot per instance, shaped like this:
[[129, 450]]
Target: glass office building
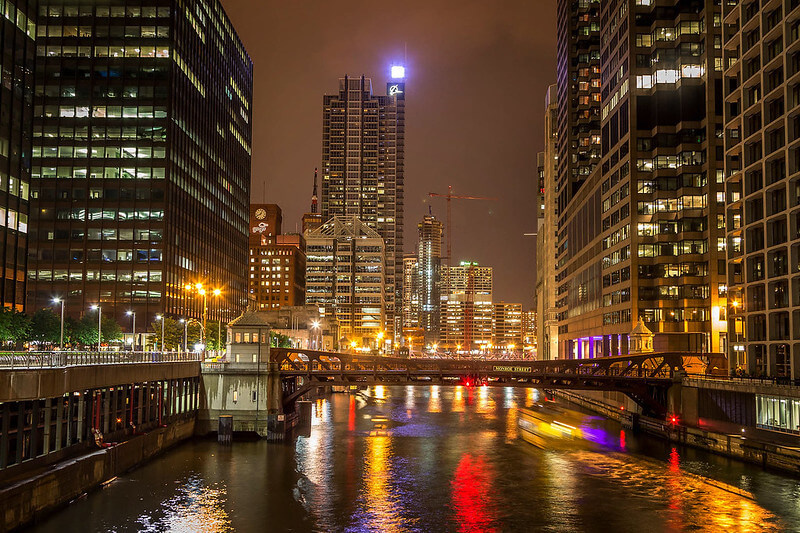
[[141, 158], [18, 27]]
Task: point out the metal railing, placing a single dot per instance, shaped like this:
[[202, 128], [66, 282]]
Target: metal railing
[[748, 380], [32, 360]]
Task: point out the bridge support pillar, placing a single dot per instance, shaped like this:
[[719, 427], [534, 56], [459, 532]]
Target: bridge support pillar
[[276, 419], [674, 396]]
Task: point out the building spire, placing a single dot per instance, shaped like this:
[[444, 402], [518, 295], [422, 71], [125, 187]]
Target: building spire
[[314, 194]]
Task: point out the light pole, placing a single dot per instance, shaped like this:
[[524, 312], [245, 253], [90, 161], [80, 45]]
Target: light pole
[[133, 330], [217, 293], [315, 326], [185, 334], [99, 324], [198, 287], [61, 340], [161, 318]]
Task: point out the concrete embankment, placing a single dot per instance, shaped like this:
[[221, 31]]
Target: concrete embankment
[[738, 446], [29, 499]]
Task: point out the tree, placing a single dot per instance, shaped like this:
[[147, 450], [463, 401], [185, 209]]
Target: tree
[[14, 326], [279, 341], [71, 327], [112, 331], [85, 331], [215, 336], [45, 327], [173, 333]]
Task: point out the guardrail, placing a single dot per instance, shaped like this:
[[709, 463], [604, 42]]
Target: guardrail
[[31, 360], [747, 380]]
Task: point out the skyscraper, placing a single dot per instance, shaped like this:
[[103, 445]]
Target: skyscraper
[[763, 192], [466, 306], [657, 195], [410, 293], [141, 157], [362, 169], [578, 81], [507, 326], [345, 276], [547, 325], [17, 49], [429, 267]]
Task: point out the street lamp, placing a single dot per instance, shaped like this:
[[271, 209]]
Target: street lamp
[[202, 291], [185, 333], [217, 293], [315, 326], [161, 318], [61, 340], [99, 324], [133, 329]]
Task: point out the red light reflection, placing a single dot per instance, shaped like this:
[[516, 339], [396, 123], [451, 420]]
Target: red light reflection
[[472, 495], [351, 415]]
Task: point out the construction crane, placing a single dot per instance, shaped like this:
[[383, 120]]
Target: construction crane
[[470, 292], [450, 196]]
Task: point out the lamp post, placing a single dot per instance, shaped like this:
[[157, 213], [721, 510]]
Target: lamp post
[[315, 326], [198, 287], [161, 318], [61, 339], [133, 329], [217, 293], [99, 324], [185, 334]]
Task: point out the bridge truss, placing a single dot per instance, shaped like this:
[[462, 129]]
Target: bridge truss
[[645, 378]]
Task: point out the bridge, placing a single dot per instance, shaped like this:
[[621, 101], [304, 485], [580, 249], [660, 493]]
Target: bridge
[[53, 404], [645, 378]]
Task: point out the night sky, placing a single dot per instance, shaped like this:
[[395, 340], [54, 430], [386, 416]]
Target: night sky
[[477, 72]]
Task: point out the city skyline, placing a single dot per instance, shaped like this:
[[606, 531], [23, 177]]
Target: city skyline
[[444, 145]]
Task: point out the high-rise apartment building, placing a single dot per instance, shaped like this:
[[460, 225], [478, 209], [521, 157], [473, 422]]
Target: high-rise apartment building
[[362, 169], [410, 304], [345, 276], [762, 94], [507, 326], [547, 325], [277, 271], [466, 307], [578, 82], [141, 158], [656, 196], [429, 284], [17, 49], [529, 330]]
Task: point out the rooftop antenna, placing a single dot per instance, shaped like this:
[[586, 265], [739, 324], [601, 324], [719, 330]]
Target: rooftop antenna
[[314, 194]]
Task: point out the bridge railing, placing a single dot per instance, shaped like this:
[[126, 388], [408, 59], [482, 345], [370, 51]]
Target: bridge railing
[[32, 360]]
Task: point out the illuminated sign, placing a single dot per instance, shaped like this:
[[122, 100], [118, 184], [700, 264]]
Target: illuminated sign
[[261, 228], [395, 89], [398, 71], [512, 369]]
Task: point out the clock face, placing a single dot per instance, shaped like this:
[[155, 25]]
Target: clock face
[[260, 214]]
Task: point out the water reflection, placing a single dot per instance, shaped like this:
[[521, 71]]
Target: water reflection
[[473, 495], [691, 500], [195, 507], [454, 465], [381, 510], [434, 402]]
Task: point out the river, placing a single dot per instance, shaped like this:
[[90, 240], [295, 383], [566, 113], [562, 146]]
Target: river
[[435, 459]]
